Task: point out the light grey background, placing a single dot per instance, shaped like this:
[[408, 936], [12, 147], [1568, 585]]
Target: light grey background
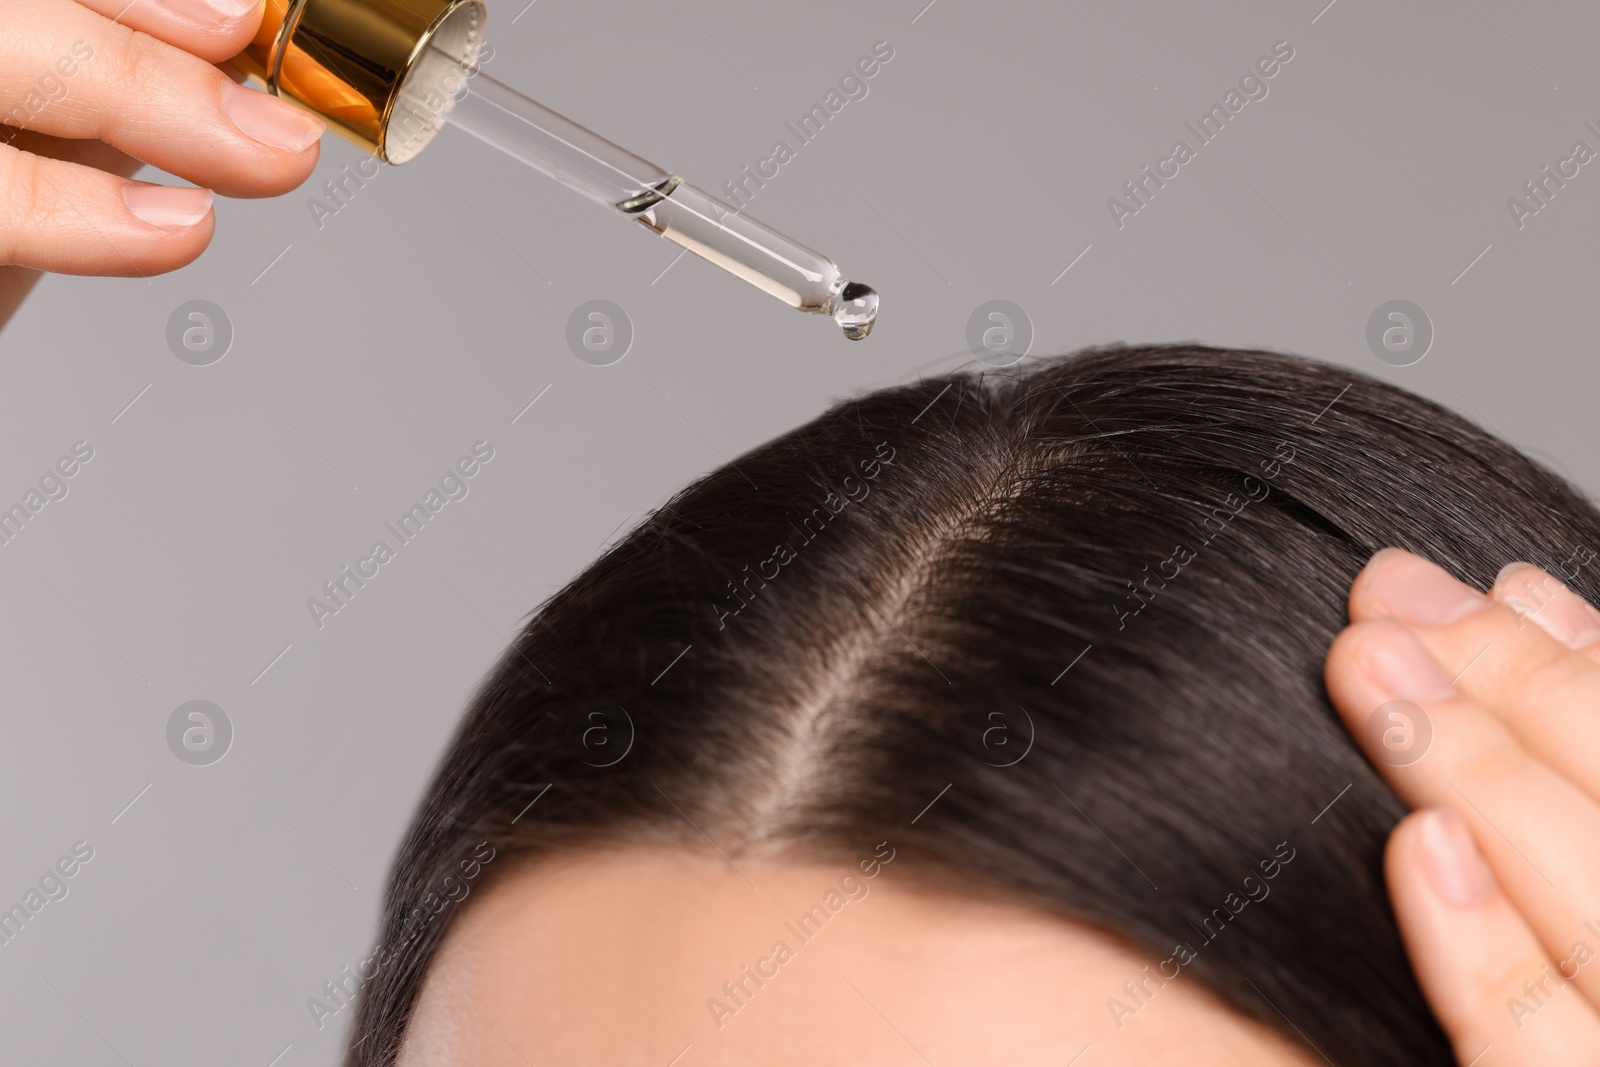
[[428, 312]]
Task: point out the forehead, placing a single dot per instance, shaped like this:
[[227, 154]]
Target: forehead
[[638, 957]]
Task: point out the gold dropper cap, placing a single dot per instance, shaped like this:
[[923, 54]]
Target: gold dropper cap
[[363, 64]]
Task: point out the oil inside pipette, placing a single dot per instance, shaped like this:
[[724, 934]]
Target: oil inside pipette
[[607, 173], [778, 265]]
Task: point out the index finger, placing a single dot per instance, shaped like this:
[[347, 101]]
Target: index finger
[[214, 30], [1513, 651], [153, 101]]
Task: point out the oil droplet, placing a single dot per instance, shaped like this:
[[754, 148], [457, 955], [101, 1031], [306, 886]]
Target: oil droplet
[[857, 310]]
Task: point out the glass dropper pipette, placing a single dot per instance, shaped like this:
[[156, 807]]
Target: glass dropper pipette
[[608, 174]]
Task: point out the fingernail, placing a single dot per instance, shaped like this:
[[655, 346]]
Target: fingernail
[[1509, 568], [1411, 589], [167, 206], [1404, 669], [1560, 612], [1451, 859], [210, 12], [273, 122]]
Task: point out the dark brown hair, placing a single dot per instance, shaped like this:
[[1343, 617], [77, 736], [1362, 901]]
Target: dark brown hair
[[1126, 565]]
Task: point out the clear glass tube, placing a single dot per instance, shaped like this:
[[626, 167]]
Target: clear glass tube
[[609, 174]]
